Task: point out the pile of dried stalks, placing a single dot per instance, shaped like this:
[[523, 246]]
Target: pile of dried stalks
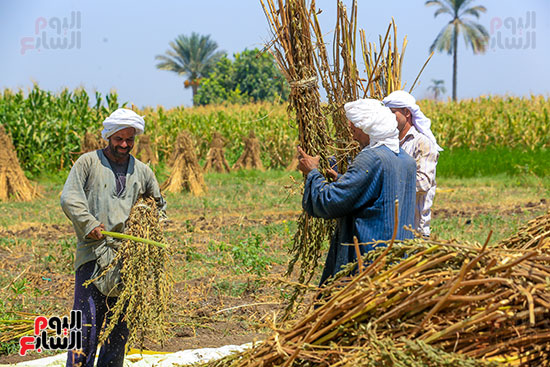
[[215, 158], [531, 235], [144, 151], [250, 159], [482, 302], [13, 183], [146, 276], [92, 142], [22, 324], [186, 171]]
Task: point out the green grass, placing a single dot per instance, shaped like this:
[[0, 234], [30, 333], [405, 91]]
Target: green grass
[[462, 162], [468, 208]]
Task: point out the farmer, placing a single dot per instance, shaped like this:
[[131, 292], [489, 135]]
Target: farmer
[[416, 138], [102, 187], [363, 199]]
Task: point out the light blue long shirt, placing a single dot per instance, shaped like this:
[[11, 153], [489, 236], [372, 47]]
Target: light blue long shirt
[[363, 202], [89, 198]]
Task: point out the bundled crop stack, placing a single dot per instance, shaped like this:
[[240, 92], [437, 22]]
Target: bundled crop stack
[[186, 171], [215, 158], [144, 151], [146, 277], [250, 159], [91, 142], [294, 52], [180, 147], [486, 303], [13, 183]]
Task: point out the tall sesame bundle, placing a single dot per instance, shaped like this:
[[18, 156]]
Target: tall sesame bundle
[[145, 152], [302, 56], [186, 172], [250, 158], [294, 52], [91, 142], [146, 276], [14, 185], [215, 158]]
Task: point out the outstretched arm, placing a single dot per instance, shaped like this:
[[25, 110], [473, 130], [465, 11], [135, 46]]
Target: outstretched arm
[[354, 189]]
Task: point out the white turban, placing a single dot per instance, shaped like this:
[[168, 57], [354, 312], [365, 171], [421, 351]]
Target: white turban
[[402, 99], [376, 120], [121, 119]]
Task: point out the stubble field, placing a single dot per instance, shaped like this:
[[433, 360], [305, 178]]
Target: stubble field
[[230, 248]]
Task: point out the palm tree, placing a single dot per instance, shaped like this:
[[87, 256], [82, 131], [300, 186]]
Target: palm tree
[[474, 33], [437, 88], [191, 56]]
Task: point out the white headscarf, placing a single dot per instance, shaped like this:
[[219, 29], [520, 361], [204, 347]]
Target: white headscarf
[[121, 119], [376, 120], [402, 99]]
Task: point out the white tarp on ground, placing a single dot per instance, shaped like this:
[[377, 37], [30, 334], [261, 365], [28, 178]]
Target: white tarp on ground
[[183, 357]]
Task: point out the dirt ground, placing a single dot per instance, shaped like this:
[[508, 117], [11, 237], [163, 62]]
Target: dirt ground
[[201, 316]]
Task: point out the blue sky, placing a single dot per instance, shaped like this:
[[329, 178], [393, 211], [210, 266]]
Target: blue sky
[[119, 41]]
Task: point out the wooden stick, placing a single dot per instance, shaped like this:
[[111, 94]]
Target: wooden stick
[[358, 254]]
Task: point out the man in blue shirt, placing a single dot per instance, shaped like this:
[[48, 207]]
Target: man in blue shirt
[[362, 200]]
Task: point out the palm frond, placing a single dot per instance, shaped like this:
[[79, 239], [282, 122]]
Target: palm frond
[[444, 40], [475, 11], [462, 4], [444, 7], [443, 11], [476, 36], [190, 55]]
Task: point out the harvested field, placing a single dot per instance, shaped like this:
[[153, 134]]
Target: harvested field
[[231, 248]]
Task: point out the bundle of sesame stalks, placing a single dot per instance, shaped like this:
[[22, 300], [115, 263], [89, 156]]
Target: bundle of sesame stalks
[[146, 276], [294, 52], [186, 171], [482, 302], [16, 324]]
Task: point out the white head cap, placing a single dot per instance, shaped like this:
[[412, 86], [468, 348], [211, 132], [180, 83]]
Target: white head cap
[[121, 119], [375, 120], [402, 99]]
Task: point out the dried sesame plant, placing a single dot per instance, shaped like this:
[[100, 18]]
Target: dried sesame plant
[[340, 78], [423, 302], [250, 158], [14, 185], [146, 277], [186, 172], [293, 49]]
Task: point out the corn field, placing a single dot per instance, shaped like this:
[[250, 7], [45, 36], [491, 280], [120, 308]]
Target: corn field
[[47, 128], [491, 122]]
